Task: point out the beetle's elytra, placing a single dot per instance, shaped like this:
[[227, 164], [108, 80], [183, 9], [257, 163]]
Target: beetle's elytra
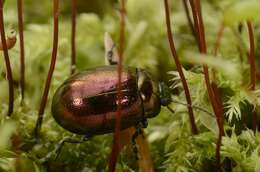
[[86, 103]]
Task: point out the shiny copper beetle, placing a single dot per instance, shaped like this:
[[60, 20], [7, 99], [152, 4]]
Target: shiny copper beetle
[[86, 103]]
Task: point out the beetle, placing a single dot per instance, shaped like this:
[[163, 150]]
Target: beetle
[[86, 103]]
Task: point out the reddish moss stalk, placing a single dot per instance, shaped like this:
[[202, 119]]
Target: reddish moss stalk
[[220, 122], [73, 35], [52, 66], [16, 142], [195, 21], [213, 92], [179, 69], [7, 62], [116, 144], [21, 38], [218, 40], [217, 45], [215, 88], [187, 12], [203, 49], [252, 63]]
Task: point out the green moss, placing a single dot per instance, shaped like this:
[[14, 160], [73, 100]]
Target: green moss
[[173, 148]]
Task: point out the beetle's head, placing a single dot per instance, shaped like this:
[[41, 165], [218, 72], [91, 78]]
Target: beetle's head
[[154, 94], [148, 90], [165, 94]]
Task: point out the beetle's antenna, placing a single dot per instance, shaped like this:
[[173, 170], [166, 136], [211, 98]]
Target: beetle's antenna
[[170, 109], [194, 106], [166, 99]]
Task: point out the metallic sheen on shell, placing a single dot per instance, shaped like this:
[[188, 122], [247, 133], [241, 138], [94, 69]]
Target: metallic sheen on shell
[[86, 103]]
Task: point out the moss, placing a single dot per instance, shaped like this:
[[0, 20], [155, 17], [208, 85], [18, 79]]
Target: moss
[[173, 148]]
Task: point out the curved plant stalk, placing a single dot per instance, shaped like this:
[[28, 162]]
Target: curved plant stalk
[[16, 142], [241, 45], [251, 58], [220, 121], [145, 163], [51, 69], [212, 88], [115, 147], [21, 38], [7, 62], [218, 40], [179, 69], [73, 35], [195, 21], [187, 12], [214, 85], [216, 89]]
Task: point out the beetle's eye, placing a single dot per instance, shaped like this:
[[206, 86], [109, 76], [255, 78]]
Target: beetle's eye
[[146, 90]]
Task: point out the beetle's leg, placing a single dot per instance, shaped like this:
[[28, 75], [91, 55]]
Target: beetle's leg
[[111, 53], [134, 145], [56, 152], [139, 127], [144, 123], [59, 146]]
